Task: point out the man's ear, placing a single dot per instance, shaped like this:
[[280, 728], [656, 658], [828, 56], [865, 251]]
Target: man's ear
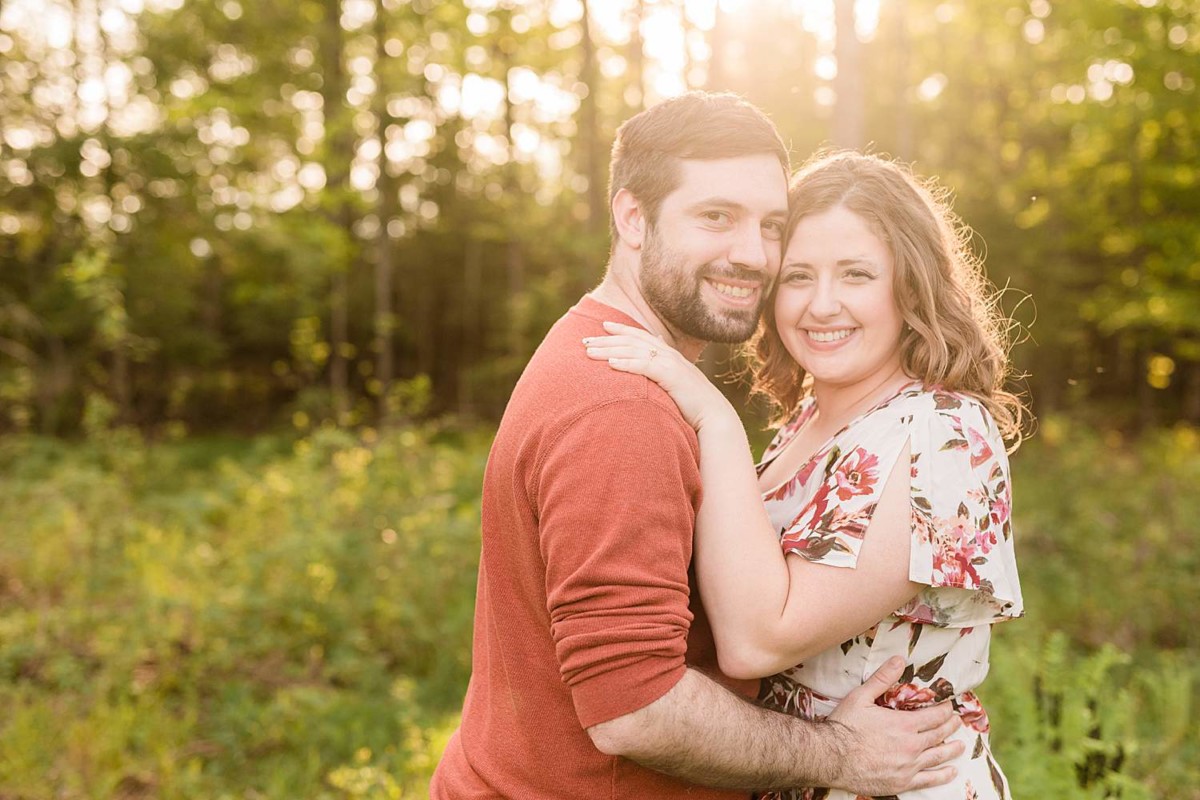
[[629, 219]]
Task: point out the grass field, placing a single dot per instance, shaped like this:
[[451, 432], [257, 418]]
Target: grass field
[[283, 618]]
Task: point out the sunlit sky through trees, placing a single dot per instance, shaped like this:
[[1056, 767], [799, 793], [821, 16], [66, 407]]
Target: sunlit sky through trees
[[91, 70]]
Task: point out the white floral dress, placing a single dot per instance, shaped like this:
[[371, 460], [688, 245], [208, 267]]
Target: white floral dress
[[962, 551]]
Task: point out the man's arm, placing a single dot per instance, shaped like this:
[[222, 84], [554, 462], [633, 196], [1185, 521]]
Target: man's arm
[[702, 733]]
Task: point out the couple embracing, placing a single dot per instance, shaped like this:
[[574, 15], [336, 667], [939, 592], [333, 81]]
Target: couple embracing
[[657, 616]]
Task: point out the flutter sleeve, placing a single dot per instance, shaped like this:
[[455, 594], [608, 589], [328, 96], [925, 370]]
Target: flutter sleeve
[[962, 540], [841, 488]]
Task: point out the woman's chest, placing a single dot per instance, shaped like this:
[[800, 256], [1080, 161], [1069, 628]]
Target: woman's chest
[[795, 462]]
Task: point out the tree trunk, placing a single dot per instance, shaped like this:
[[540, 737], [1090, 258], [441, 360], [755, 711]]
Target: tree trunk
[[514, 261], [472, 324], [589, 133], [339, 141], [116, 341], [1147, 401], [689, 63], [848, 85], [715, 77], [386, 210], [637, 57], [1191, 396], [901, 89]]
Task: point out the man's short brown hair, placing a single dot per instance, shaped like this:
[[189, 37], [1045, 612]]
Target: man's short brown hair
[[696, 125]]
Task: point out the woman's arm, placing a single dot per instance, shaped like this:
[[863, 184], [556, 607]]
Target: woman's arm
[[768, 612]]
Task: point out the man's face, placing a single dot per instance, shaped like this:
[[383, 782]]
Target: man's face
[[708, 261]]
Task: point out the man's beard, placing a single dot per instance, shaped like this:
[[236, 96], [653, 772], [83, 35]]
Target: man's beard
[[674, 291]]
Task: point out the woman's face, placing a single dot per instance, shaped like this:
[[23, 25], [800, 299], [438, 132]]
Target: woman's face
[[835, 309]]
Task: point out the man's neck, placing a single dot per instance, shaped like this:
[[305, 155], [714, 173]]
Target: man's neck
[[620, 290]]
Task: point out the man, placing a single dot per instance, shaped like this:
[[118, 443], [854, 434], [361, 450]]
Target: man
[[593, 665]]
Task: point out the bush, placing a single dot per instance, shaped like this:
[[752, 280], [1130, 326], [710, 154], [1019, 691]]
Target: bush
[[287, 618], [1108, 540], [193, 619]]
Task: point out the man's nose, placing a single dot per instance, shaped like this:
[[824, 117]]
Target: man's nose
[[749, 248]]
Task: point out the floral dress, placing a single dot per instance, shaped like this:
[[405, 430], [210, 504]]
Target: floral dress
[[962, 551]]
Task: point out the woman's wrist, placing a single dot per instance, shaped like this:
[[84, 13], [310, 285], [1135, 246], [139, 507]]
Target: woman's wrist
[[722, 423]]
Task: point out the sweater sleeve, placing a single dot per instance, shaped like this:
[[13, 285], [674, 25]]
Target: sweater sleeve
[[616, 502]]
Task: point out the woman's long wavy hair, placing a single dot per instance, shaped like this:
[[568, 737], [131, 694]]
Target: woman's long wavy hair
[[956, 336]]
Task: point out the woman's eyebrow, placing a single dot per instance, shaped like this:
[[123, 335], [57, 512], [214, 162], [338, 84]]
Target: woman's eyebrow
[[841, 262]]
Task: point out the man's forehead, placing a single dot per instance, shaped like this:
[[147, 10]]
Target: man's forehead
[[752, 180], [760, 161]]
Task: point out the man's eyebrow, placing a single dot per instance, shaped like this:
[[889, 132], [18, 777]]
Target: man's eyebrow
[[725, 202]]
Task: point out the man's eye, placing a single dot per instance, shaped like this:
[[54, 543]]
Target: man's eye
[[716, 216], [773, 230]]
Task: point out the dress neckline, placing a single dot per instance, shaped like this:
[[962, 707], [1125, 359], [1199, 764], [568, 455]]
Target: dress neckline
[[802, 419]]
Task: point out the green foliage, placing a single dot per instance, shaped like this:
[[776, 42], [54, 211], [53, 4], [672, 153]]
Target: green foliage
[[292, 618], [1094, 693], [1072, 726], [181, 248], [203, 617], [1108, 530]]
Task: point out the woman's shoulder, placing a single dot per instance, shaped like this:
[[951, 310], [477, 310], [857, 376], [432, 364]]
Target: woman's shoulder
[[940, 406]]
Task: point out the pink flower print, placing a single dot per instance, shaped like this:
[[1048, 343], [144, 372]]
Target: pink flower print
[[971, 710], [921, 528], [807, 470], [785, 489], [985, 540], [784, 694], [971, 793], [907, 696], [953, 532], [952, 569], [857, 474], [981, 451], [954, 545], [1001, 510], [916, 611], [815, 509]]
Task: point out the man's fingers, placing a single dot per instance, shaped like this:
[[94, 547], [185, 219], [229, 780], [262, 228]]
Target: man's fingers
[[942, 732], [939, 754], [879, 682], [932, 777], [932, 717]]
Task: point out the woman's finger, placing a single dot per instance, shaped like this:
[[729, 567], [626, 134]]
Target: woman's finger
[[649, 356], [622, 328], [600, 352], [629, 330]]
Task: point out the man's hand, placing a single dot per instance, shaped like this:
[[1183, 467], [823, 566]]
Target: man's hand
[[888, 752]]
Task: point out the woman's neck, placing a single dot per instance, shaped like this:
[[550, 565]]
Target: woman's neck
[[837, 406]]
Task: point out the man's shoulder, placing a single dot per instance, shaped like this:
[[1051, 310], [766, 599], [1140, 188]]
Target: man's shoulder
[[560, 384], [560, 391]]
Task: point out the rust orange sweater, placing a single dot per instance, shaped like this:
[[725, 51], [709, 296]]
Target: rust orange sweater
[[582, 614]]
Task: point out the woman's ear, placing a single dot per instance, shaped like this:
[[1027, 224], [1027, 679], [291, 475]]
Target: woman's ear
[[628, 218]]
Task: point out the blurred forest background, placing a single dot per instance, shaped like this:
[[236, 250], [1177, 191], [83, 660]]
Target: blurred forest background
[[269, 270]]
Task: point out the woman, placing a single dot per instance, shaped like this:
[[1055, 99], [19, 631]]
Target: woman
[[878, 521]]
